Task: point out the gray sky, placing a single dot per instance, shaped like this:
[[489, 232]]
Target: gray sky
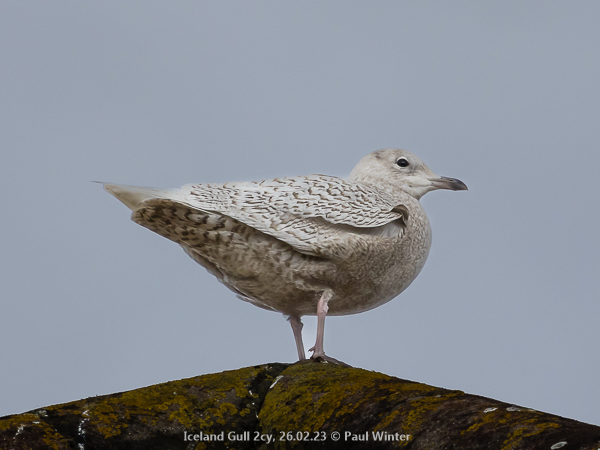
[[503, 95]]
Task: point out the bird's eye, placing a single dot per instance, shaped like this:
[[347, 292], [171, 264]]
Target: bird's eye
[[403, 162]]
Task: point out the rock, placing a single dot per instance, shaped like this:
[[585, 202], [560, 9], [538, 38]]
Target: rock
[[302, 406]]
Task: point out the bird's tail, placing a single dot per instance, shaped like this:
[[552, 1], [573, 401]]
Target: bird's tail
[[133, 196]]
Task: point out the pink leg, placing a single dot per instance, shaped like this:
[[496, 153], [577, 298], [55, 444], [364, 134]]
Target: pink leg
[[297, 326], [322, 309]]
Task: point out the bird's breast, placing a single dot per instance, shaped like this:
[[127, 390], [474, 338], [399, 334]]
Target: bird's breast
[[390, 259]]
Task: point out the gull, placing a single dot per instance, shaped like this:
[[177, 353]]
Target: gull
[[303, 245]]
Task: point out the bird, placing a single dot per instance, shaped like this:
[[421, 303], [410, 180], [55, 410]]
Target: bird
[[303, 245]]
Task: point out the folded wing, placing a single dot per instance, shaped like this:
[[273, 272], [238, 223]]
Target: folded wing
[[307, 212], [314, 214]]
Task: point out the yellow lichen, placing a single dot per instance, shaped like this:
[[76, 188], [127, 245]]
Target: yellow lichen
[[388, 419], [497, 417], [419, 408], [525, 429], [23, 422], [325, 394], [17, 420]]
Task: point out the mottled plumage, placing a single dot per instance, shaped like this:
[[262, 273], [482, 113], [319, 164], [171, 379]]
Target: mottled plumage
[[305, 245]]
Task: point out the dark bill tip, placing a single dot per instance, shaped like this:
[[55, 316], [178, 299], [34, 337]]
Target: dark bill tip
[[449, 183]]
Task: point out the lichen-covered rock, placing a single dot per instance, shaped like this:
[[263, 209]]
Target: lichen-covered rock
[[301, 406], [363, 407], [155, 417], [372, 410]]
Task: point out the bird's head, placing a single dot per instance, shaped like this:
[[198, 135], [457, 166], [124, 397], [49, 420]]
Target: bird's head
[[392, 168]]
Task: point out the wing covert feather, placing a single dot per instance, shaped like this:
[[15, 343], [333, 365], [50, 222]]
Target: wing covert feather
[[307, 212]]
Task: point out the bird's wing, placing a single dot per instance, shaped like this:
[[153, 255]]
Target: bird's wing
[[307, 212]]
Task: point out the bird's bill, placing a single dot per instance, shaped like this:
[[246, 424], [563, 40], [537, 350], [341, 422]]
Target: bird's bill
[[448, 183]]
